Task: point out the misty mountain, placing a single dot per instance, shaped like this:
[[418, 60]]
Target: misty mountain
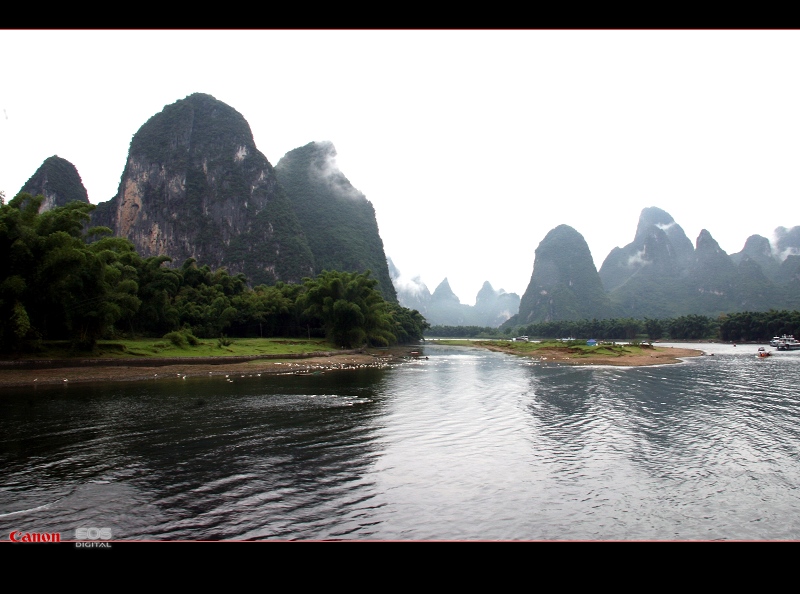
[[338, 221], [754, 290], [712, 277], [493, 307], [759, 250], [411, 293], [660, 274], [58, 181], [564, 284], [444, 308], [196, 186], [790, 271], [787, 242], [659, 248], [660, 278]]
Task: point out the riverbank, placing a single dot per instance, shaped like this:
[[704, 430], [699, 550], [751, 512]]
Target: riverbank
[[88, 370], [59, 372], [617, 355]]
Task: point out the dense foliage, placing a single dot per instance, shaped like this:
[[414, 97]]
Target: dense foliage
[[742, 326], [759, 325], [54, 283], [689, 327], [60, 280], [447, 331], [353, 312]]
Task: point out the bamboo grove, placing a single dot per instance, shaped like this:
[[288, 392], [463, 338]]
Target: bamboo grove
[[60, 280]]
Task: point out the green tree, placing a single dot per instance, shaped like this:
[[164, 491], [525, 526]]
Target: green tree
[[350, 309], [158, 287], [55, 282]]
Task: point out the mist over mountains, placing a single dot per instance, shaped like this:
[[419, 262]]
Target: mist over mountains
[[443, 308], [194, 185]]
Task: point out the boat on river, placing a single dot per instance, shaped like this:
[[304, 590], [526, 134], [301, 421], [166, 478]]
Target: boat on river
[[762, 352], [787, 343]]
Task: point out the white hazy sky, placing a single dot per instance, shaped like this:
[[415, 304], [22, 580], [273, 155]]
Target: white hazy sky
[[471, 144]]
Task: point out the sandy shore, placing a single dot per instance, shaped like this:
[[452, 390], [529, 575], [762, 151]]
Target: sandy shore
[[51, 376], [655, 356]]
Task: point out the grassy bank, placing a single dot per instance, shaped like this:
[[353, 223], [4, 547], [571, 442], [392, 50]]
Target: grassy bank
[[139, 360], [161, 348], [579, 353]]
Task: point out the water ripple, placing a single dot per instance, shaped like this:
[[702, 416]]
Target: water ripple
[[465, 445]]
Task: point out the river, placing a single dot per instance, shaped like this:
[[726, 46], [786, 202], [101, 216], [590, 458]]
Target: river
[[461, 444]]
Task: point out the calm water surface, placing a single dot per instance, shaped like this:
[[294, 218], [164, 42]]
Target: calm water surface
[[465, 445]]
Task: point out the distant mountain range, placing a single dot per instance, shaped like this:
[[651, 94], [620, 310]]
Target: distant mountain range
[[195, 186], [660, 274], [443, 308]]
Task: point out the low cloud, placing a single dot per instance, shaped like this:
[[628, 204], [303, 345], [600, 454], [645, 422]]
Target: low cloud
[[327, 171], [780, 237], [410, 285], [789, 251], [638, 259]]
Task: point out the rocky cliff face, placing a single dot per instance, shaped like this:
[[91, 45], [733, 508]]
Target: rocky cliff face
[[58, 181], [338, 221], [564, 284], [196, 186]]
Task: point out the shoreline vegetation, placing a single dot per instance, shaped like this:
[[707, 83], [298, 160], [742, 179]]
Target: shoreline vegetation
[[144, 360], [140, 360], [577, 352]]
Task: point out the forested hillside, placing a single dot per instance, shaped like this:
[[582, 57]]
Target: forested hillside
[[338, 221]]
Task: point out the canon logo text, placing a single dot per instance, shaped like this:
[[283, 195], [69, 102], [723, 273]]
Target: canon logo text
[[18, 536]]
